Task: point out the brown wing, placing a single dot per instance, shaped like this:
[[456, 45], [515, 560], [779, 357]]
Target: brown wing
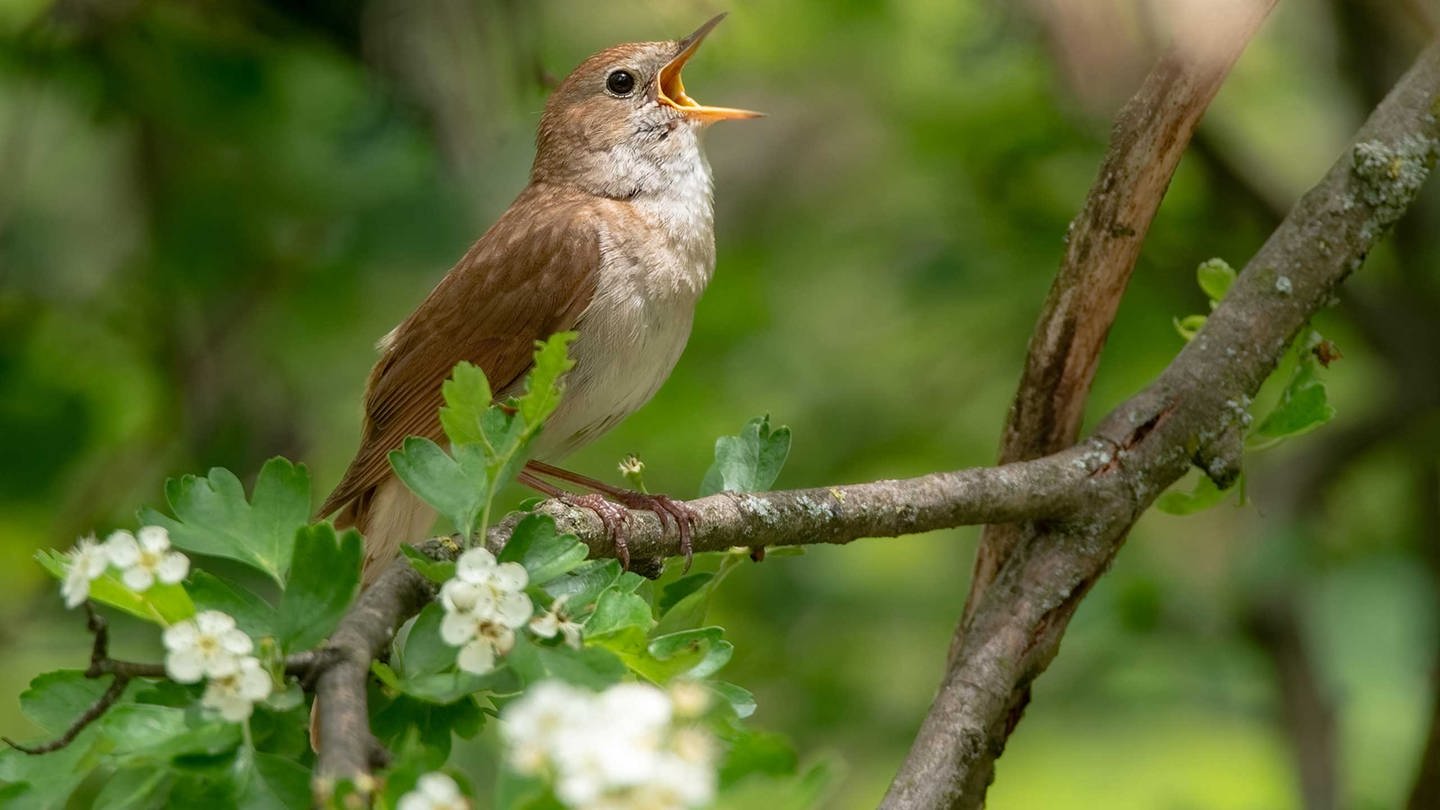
[[528, 277]]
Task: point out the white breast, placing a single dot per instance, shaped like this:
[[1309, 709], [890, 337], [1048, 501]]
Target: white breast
[[657, 254]]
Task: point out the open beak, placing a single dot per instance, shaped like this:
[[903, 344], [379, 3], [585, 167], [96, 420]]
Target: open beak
[[671, 91]]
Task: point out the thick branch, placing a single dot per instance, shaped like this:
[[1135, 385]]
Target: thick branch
[[1149, 136], [1196, 411]]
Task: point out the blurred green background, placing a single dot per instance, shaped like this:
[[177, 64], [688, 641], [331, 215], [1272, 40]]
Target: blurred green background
[[209, 211]]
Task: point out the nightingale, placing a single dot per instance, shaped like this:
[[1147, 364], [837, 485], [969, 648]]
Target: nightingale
[[612, 238]]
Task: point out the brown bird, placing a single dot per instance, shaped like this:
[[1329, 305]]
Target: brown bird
[[613, 238]]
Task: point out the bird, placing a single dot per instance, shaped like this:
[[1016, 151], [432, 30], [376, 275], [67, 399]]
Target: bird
[[613, 238]]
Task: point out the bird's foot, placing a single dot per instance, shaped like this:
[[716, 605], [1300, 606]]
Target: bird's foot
[[615, 519], [671, 512]]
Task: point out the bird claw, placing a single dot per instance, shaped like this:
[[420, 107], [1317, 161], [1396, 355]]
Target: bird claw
[[671, 513], [615, 519]]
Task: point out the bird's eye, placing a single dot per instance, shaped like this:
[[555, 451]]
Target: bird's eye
[[620, 82]]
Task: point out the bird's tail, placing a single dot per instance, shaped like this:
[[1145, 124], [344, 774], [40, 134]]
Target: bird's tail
[[388, 515]]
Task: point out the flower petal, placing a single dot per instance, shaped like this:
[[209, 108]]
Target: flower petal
[[122, 549], [214, 622], [475, 566], [154, 538], [181, 635], [185, 665], [236, 642], [510, 576], [173, 568], [138, 578], [477, 657], [458, 628], [514, 609]]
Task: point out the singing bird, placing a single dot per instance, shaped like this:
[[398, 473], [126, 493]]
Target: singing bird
[[613, 238]]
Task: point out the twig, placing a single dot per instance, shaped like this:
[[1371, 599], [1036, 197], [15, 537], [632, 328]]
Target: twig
[[303, 665]]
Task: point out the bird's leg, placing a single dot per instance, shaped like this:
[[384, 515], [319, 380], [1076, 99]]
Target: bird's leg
[[667, 509], [615, 519]]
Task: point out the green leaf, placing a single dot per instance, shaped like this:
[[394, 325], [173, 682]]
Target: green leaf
[[749, 462], [741, 700], [213, 517], [437, 571], [151, 733], [467, 397], [592, 667], [1204, 495], [758, 752], [324, 578], [253, 615], [1303, 406], [49, 779], [55, 700], [684, 605], [268, 782], [160, 603], [425, 652], [617, 611], [543, 388], [143, 787], [1215, 277], [544, 552], [457, 487], [693, 653], [584, 585], [1189, 326]]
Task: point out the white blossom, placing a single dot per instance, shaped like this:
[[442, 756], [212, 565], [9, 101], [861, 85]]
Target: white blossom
[[484, 604], [618, 750], [557, 620], [480, 639], [88, 560], [434, 791], [144, 560], [207, 646], [236, 694]]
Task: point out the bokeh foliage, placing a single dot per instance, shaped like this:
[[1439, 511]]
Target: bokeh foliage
[[209, 212]]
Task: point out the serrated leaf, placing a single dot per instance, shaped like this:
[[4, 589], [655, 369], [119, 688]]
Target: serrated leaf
[[467, 396], [543, 388], [545, 553], [750, 461], [457, 487], [54, 700], [160, 733], [160, 603], [253, 615], [689, 610], [1215, 277], [324, 578], [213, 517]]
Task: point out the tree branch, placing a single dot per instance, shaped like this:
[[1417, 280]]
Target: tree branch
[[1195, 412], [1148, 138]]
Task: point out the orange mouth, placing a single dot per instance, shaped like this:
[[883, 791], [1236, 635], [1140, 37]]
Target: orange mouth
[[671, 90]]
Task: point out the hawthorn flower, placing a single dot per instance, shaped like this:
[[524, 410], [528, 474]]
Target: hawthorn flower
[[621, 749], [480, 638], [434, 791], [556, 620], [235, 695], [149, 558], [481, 585], [88, 561], [207, 646], [484, 604]]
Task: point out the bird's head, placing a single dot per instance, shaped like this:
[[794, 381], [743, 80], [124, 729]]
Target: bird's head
[[621, 124]]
